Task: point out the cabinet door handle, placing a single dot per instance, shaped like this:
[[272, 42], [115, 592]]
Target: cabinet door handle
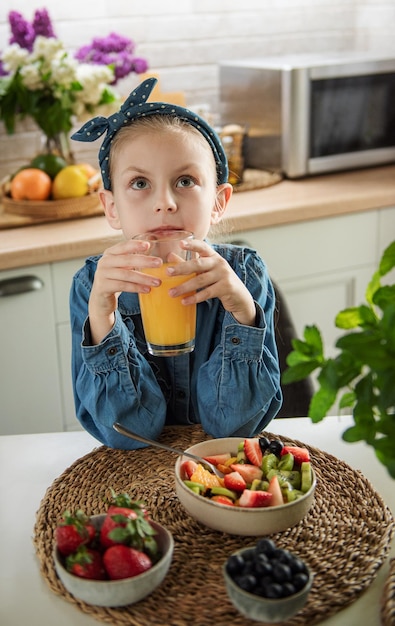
[[19, 285]]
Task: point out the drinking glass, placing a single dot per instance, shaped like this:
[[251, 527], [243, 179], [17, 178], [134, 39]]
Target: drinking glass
[[169, 325]]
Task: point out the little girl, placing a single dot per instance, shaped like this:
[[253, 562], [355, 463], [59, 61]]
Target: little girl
[[164, 167]]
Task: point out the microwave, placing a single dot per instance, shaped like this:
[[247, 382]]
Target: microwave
[[310, 114]]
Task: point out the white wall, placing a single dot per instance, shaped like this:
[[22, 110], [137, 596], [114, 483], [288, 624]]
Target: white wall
[[184, 40]]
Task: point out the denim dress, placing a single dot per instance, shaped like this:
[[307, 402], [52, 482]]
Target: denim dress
[[230, 383]]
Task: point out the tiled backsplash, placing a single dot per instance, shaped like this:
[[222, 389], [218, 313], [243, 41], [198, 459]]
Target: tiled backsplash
[[183, 41]]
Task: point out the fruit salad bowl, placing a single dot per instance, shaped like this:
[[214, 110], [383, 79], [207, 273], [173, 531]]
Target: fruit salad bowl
[[249, 514], [125, 591]]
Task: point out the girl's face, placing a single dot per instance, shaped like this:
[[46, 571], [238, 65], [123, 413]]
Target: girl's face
[[164, 179]]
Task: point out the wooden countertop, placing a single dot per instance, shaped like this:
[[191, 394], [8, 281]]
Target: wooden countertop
[[283, 203]]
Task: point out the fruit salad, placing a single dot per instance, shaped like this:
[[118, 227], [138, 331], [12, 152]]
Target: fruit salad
[[260, 473]]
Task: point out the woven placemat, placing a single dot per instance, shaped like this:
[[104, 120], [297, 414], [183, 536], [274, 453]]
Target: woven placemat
[[344, 538], [388, 598]]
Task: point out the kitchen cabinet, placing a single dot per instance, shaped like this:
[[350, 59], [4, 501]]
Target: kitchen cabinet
[[29, 382]]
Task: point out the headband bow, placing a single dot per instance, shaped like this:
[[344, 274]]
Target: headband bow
[[136, 106]]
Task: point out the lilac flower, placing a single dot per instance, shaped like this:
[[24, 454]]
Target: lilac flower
[[22, 31], [42, 24], [114, 50]]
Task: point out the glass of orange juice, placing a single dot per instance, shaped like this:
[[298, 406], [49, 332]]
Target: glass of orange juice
[[169, 325]]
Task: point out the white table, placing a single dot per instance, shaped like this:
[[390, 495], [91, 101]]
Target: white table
[[30, 463]]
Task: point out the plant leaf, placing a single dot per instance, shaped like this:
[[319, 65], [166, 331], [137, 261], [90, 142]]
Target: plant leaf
[[387, 262]]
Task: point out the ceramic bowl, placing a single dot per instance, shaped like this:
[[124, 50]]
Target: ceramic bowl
[[119, 592], [237, 520], [261, 609]]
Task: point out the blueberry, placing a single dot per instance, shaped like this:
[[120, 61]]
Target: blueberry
[[264, 444], [246, 582], [288, 589], [300, 580], [276, 447], [273, 590], [282, 572], [263, 567], [297, 566], [235, 564], [267, 546], [285, 556]]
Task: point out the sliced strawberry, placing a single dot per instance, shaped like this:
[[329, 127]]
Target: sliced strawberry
[[86, 563], [218, 458], [123, 562], [253, 451], [187, 469], [222, 500], [275, 489], [254, 499], [235, 481], [301, 455], [248, 472]]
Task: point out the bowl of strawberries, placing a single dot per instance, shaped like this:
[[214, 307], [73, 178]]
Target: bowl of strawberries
[[112, 559], [265, 486]]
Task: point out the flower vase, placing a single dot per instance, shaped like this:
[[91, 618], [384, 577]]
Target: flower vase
[[58, 145]]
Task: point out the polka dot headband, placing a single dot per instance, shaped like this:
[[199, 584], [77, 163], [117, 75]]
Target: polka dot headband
[[137, 106]]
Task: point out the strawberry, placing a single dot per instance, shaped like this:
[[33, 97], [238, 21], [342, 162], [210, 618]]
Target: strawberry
[[123, 562], [253, 451], [235, 481], [116, 519], [248, 472], [301, 455], [218, 458], [187, 469], [73, 531], [86, 563], [131, 528], [255, 498], [275, 489]]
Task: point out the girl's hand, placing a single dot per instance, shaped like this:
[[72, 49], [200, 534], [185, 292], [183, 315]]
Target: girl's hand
[[214, 279], [119, 269]]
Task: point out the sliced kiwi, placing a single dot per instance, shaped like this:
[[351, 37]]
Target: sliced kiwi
[[222, 491], [269, 462], [286, 462], [306, 476], [194, 486]]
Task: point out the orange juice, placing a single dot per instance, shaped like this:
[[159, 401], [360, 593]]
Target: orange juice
[[168, 324]]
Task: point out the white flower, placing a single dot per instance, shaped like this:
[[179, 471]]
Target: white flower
[[46, 48], [13, 57], [31, 77]]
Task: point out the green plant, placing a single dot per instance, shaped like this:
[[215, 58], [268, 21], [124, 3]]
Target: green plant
[[363, 369]]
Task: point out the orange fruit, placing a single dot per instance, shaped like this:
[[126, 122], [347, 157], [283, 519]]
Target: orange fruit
[[88, 169], [204, 477], [31, 184], [92, 174]]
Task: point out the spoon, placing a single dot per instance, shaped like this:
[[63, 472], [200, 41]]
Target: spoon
[[129, 433]]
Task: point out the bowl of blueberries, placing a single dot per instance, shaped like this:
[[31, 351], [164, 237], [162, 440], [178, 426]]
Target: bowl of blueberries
[[266, 583]]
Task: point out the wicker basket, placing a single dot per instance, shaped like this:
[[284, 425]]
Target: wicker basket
[[54, 209]]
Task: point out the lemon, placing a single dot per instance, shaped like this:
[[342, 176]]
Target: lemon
[[70, 182], [51, 164]]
